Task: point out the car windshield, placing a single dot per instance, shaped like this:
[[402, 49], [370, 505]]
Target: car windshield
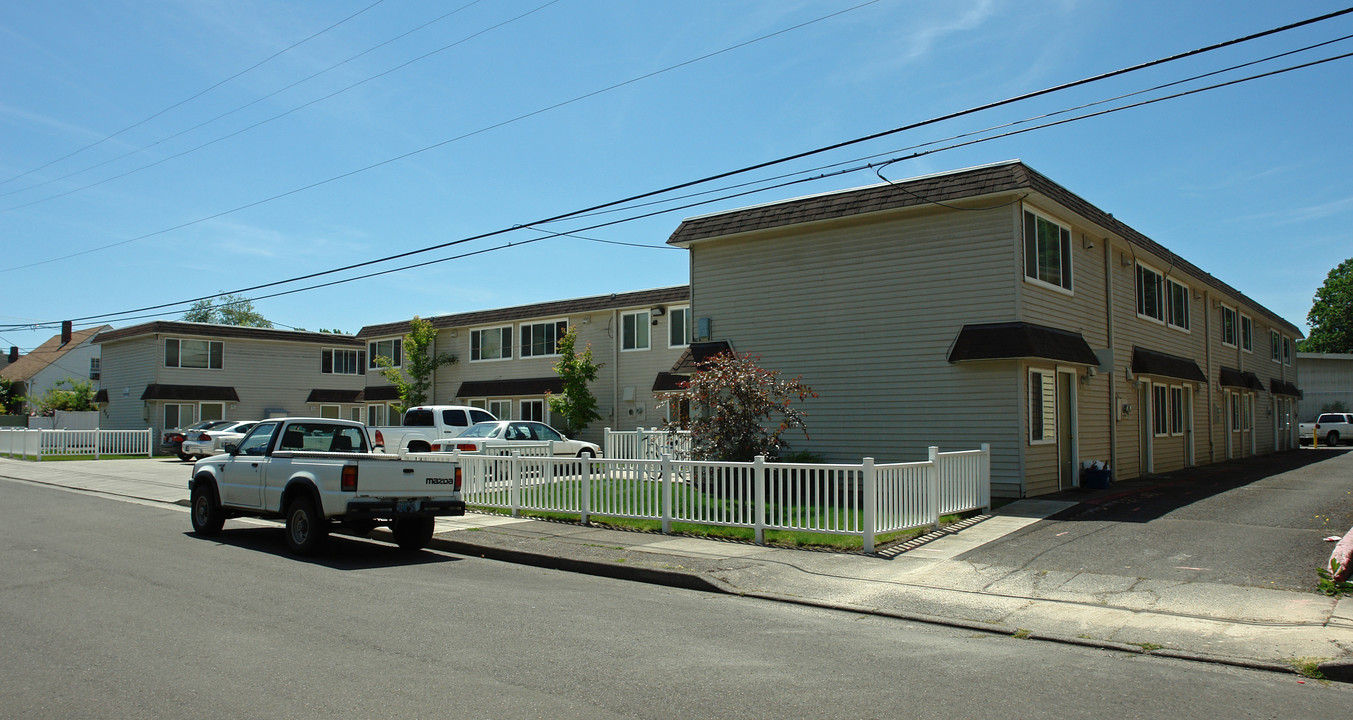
[[209, 424], [481, 430]]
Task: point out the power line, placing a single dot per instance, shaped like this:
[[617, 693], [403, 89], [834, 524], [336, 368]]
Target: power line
[[573, 233], [251, 103], [192, 97]]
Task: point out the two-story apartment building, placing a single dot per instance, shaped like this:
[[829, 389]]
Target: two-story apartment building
[[993, 305], [168, 374], [505, 356]]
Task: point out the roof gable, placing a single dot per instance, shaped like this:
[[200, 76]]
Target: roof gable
[[46, 354]]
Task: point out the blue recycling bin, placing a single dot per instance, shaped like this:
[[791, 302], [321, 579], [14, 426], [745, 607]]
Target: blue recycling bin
[[1097, 479]]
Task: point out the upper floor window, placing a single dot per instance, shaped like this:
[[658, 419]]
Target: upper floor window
[[95, 368], [1246, 333], [342, 361], [540, 339], [201, 354], [1275, 346], [1177, 301], [679, 327], [634, 330], [491, 343], [1287, 351], [1228, 326], [1047, 250], [1150, 293], [392, 350]]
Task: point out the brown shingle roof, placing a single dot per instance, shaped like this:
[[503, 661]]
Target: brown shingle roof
[[23, 369], [168, 327], [556, 308], [1008, 176]]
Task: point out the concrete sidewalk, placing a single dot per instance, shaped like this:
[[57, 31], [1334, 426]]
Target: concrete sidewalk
[[923, 580]]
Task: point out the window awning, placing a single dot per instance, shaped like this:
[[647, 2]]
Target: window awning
[[1150, 362], [1230, 377], [1018, 340], [101, 396], [155, 391], [1282, 387], [379, 393], [669, 382], [334, 396], [511, 388], [697, 353]]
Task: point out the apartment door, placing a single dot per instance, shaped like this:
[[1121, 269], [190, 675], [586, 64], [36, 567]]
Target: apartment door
[[1067, 452]]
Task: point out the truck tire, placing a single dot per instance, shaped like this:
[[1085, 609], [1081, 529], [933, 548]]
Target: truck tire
[[412, 533], [208, 516], [1332, 439], [306, 528]]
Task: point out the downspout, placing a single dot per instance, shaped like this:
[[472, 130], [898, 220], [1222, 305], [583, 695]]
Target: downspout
[[615, 368], [1207, 378], [1113, 343]]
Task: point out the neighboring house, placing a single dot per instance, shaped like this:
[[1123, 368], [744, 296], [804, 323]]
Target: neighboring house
[[9, 359], [505, 357], [1326, 380], [168, 374], [991, 305], [71, 355]]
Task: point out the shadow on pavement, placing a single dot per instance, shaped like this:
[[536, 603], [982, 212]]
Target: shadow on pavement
[[339, 552], [1149, 498]]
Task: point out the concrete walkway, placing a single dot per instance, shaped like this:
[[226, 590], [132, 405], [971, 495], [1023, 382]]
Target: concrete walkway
[[924, 580]]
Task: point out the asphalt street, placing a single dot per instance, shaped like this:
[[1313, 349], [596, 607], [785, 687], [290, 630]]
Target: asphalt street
[[115, 609], [1261, 523]]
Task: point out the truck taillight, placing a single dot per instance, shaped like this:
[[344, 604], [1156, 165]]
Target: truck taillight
[[457, 478], [380, 439], [348, 481]]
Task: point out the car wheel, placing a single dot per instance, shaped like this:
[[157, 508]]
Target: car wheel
[[208, 516], [1332, 439], [306, 530], [183, 455], [412, 533], [586, 454]]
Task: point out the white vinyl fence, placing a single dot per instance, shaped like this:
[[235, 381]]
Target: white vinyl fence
[[37, 444], [643, 444], [863, 500]]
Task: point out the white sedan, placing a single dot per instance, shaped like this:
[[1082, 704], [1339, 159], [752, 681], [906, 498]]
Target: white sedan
[[205, 443], [506, 433]]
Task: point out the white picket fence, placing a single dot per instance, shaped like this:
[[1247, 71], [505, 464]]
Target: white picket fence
[[864, 500], [38, 443], [650, 444]]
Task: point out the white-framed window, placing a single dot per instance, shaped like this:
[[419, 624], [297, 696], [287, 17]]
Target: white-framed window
[[355, 414], [501, 409], [1047, 250], [1042, 407], [634, 330], [177, 415], [95, 368], [331, 411], [196, 354], [1275, 346], [491, 344], [1287, 350], [1235, 412], [1160, 410], [532, 410], [1150, 294], [342, 361], [1228, 326], [392, 349], [1177, 305], [678, 327], [211, 411], [1176, 410], [542, 339], [1246, 333], [1247, 412], [375, 415]]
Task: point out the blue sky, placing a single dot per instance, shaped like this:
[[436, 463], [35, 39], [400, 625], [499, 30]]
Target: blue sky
[[500, 113]]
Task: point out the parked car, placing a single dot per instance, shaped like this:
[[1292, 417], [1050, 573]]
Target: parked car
[[1330, 428], [171, 441], [503, 433], [212, 441]]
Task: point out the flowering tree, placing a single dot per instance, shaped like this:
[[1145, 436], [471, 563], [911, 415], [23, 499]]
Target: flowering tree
[[745, 409]]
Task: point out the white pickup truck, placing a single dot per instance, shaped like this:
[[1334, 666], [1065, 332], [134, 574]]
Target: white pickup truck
[[1328, 429], [320, 474], [427, 424]]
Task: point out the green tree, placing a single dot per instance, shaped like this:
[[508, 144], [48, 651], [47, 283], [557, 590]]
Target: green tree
[[11, 403], [68, 395], [414, 382], [575, 406], [744, 409], [1331, 316], [227, 310]]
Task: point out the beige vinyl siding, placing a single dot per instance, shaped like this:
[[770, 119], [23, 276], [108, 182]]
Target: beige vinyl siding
[[128, 365], [872, 334]]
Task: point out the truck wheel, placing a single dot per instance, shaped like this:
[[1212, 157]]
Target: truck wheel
[[412, 533], [306, 529], [208, 517], [1332, 439]]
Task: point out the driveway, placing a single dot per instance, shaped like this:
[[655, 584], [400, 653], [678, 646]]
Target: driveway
[[1260, 522]]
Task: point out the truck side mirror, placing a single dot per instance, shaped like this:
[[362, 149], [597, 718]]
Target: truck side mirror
[[231, 448]]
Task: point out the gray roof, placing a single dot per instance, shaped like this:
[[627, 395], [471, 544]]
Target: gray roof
[[555, 308], [170, 327], [1004, 177]]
